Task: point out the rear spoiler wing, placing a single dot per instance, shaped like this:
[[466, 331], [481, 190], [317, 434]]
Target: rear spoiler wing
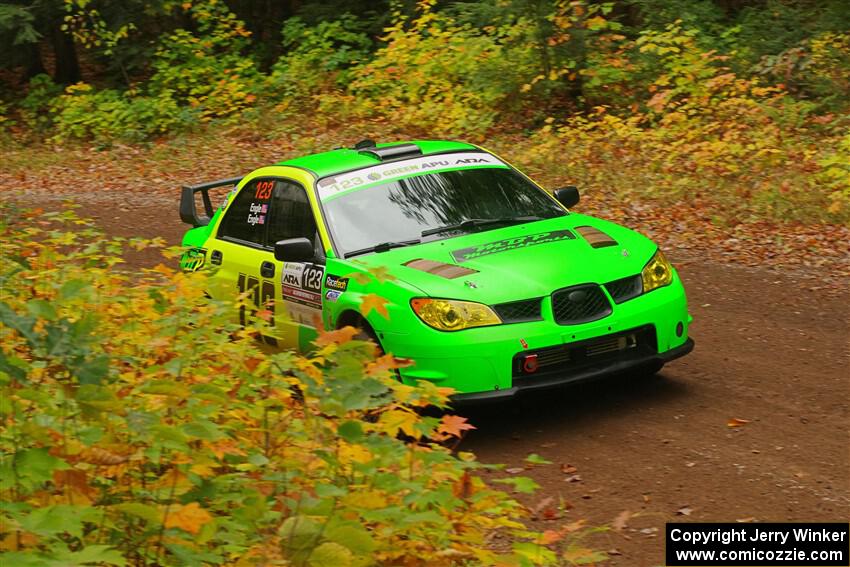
[[188, 211]]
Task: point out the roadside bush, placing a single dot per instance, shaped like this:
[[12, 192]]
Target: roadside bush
[[706, 135], [430, 75], [35, 107], [138, 425], [836, 177], [319, 58], [109, 115], [206, 69]]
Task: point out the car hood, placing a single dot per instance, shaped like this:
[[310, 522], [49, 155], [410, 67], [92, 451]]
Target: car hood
[[518, 262]]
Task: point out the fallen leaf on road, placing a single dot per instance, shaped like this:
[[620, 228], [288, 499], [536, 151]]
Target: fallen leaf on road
[[737, 422], [515, 470], [573, 478], [684, 511], [573, 526], [568, 468], [550, 536], [746, 520], [454, 425], [621, 520]]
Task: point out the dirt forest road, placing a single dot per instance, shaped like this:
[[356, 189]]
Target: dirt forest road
[[770, 351]]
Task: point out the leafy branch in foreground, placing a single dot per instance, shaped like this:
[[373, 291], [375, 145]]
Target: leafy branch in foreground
[[140, 426]]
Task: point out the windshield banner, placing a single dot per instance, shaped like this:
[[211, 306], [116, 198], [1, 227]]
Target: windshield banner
[[344, 182]]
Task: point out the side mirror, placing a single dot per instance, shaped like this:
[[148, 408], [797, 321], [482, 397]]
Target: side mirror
[[294, 250], [567, 196]]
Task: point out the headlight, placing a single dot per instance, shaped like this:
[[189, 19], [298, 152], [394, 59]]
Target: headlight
[[657, 273], [452, 315]]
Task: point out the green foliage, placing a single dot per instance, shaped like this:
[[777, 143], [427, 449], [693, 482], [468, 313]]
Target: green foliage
[[17, 23], [319, 58], [742, 102], [108, 115], [139, 425], [35, 107], [207, 69], [408, 85], [836, 176]]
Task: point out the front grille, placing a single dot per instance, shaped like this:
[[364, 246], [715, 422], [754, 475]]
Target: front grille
[[625, 345], [519, 311], [580, 304], [624, 289]]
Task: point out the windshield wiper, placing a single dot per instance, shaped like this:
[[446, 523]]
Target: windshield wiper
[[471, 224], [382, 247]]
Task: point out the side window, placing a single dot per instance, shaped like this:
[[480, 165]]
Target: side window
[[291, 215], [246, 218]]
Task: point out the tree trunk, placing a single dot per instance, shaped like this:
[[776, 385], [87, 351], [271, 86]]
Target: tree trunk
[[33, 65], [67, 66]]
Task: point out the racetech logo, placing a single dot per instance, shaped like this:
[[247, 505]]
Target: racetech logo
[[473, 252]]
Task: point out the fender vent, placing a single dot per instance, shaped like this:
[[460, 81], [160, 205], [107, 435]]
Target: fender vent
[[448, 271], [595, 237]]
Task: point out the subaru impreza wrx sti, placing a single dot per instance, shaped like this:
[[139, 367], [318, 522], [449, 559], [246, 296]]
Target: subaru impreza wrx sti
[[488, 282]]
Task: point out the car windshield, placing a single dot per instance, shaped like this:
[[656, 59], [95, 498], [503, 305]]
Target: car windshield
[[399, 212]]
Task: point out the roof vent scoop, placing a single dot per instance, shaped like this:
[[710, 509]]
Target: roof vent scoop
[[388, 153], [364, 144]]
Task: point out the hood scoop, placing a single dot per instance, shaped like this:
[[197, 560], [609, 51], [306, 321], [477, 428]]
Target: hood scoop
[[595, 237], [448, 271]]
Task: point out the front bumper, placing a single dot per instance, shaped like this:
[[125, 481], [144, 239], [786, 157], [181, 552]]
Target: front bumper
[[480, 363], [606, 368]]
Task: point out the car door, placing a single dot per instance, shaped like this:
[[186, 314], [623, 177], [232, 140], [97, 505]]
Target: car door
[[244, 261], [300, 291]]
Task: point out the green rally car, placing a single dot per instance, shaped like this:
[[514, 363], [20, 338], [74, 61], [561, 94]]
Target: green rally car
[[482, 278]]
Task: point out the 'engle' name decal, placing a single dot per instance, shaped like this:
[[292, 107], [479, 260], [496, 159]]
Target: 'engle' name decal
[[473, 252]]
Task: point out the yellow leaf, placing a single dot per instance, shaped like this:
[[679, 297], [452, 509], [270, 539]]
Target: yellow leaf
[[454, 425], [382, 274], [360, 277], [190, 518], [366, 500], [376, 302], [400, 420], [338, 336]]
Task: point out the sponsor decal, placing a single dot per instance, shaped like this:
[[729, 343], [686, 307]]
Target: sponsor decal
[[264, 190], [193, 259], [293, 274], [473, 252], [336, 283], [257, 213], [302, 284], [334, 185], [332, 295]]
